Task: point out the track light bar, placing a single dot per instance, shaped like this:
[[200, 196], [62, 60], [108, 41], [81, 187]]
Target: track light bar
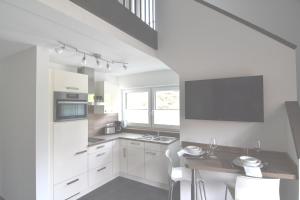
[[98, 57]]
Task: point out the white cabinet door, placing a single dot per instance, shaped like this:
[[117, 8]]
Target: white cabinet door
[[156, 167], [70, 141], [136, 161], [123, 156], [70, 82], [116, 157]]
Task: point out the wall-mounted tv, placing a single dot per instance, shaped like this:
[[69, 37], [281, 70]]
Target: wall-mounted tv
[[227, 99]]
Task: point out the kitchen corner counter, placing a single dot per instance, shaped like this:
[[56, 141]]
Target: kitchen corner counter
[[127, 136]]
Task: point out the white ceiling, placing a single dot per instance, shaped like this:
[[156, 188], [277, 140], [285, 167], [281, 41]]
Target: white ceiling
[[35, 23]]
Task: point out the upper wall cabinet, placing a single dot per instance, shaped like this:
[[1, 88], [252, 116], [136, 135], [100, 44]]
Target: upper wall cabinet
[[107, 97], [70, 82]]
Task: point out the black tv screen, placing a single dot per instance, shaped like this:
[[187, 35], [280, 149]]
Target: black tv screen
[[228, 99]]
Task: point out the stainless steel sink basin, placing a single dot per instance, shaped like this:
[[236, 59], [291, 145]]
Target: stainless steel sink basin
[[162, 139]]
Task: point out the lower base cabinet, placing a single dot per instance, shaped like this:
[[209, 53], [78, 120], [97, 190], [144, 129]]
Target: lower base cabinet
[[71, 189], [156, 167], [100, 175]]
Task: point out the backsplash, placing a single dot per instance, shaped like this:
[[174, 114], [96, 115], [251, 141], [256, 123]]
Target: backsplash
[[97, 122]]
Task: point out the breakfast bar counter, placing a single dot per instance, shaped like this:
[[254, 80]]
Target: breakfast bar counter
[[276, 164]]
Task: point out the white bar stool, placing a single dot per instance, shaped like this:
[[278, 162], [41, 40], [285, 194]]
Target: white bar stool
[[250, 188], [177, 174]]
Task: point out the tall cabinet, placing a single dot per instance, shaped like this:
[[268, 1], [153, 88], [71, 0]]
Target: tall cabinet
[[69, 141]]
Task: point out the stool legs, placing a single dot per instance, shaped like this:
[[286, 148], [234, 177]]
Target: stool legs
[[171, 188]]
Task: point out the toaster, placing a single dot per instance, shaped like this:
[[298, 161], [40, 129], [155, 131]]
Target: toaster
[[110, 128]]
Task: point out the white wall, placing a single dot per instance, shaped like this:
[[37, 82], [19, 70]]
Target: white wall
[[155, 78], [18, 128], [199, 43], [284, 23], [24, 125]]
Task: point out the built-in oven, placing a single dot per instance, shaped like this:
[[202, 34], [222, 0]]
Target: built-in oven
[[70, 106]]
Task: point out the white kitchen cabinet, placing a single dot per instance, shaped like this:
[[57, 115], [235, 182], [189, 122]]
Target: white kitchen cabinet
[[70, 141], [116, 157], [110, 93], [70, 82], [156, 166], [71, 189], [100, 175], [123, 156], [136, 159], [99, 158]]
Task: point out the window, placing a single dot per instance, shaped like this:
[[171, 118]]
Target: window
[[152, 107], [136, 107], [166, 107]]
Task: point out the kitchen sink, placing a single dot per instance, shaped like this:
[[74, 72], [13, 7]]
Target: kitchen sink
[[163, 139]]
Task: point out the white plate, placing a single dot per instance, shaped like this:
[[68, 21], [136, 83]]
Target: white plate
[[250, 161], [238, 162], [199, 153]]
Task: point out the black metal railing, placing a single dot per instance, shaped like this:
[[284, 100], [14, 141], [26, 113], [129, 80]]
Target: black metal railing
[[143, 9]]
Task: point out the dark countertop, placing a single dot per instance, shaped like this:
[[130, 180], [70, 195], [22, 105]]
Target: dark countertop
[[279, 164], [127, 136]]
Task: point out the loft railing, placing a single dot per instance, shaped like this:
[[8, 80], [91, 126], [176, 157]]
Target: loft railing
[[143, 9]]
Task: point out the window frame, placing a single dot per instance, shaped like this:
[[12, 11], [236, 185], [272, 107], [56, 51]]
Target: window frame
[[151, 107], [124, 104], [153, 91]]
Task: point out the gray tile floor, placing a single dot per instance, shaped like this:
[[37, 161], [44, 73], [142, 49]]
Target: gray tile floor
[[125, 189]]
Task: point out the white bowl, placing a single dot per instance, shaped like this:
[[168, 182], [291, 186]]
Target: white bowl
[[193, 149], [250, 161]]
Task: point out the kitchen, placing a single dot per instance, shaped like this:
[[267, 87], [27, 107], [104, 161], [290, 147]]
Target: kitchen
[[109, 138], [87, 115]]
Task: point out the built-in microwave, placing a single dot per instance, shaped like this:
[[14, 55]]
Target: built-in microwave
[[70, 106]]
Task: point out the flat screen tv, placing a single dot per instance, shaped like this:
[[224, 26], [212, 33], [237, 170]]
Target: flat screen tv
[[227, 99]]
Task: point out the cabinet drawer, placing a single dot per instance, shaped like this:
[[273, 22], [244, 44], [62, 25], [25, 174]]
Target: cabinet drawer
[[100, 147], [100, 174], [135, 144], [69, 167], [71, 189], [100, 158]]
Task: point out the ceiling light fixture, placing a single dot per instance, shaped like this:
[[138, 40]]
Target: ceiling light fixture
[[108, 66], [60, 49], [98, 57], [83, 61]]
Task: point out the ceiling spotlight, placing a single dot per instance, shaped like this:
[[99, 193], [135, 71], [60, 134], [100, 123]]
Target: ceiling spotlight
[[60, 49], [98, 62], [83, 61], [125, 67], [108, 66]]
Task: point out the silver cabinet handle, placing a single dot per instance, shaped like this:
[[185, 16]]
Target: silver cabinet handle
[[74, 181], [80, 152], [124, 152], [72, 196], [72, 88], [135, 143], [72, 102], [103, 168], [151, 153], [100, 154], [100, 147]]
